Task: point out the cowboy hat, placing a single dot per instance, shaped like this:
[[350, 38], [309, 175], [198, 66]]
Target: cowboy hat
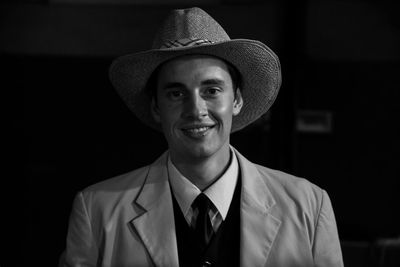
[[193, 31]]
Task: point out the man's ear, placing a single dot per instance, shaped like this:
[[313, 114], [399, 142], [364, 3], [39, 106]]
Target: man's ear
[[155, 110], [237, 103]]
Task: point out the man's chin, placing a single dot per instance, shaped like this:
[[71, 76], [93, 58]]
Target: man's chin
[[201, 151], [193, 151]]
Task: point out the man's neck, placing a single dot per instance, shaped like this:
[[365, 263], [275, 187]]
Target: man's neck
[[203, 172]]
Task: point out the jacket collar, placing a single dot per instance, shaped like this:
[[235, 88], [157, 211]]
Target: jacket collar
[[258, 226], [156, 225]]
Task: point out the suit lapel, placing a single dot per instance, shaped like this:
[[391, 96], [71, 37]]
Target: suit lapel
[[258, 227], [156, 226]]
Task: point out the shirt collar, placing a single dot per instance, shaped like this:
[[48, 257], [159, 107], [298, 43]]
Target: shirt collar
[[184, 190], [220, 192]]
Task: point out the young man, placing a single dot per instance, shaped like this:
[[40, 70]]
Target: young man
[[201, 203]]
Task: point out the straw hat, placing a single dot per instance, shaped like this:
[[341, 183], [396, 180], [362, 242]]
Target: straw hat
[[193, 31]]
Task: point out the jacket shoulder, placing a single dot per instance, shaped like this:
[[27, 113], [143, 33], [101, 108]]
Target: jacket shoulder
[[119, 192], [292, 192], [279, 182], [287, 181], [125, 181]]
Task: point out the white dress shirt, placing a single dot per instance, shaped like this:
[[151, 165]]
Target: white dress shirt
[[220, 192]]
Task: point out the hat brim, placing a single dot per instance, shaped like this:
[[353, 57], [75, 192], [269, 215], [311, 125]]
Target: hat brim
[[258, 66]]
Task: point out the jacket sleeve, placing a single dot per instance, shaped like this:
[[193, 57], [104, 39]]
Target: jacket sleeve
[[326, 245], [81, 250]]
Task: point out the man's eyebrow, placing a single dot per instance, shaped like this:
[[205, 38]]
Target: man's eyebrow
[[213, 82], [170, 85]]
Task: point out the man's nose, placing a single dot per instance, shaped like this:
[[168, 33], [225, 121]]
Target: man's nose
[[195, 107]]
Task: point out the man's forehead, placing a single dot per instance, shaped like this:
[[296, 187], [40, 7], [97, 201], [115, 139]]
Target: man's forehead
[[186, 59], [183, 66]]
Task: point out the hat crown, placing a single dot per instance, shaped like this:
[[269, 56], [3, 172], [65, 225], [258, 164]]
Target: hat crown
[[187, 27]]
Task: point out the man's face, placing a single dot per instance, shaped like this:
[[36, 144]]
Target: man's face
[[195, 105]]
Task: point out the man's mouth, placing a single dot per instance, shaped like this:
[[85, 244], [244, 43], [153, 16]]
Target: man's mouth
[[197, 131]]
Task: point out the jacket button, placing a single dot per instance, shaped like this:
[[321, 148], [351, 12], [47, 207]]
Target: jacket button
[[206, 264]]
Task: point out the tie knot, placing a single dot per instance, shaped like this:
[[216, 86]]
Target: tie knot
[[202, 203]]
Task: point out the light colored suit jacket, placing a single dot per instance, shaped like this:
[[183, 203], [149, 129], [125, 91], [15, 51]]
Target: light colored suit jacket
[[129, 221]]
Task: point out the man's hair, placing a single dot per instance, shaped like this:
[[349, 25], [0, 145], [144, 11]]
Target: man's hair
[[151, 86]]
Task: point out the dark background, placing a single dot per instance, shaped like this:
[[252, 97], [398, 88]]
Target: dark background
[[335, 121]]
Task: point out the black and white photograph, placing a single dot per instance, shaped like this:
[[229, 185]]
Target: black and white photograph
[[193, 133]]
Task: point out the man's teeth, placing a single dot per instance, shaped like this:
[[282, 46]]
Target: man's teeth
[[198, 130]]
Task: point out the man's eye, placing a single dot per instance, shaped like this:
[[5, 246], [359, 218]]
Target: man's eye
[[213, 91], [174, 95]]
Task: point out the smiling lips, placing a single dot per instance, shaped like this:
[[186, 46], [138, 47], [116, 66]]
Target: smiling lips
[[196, 131]]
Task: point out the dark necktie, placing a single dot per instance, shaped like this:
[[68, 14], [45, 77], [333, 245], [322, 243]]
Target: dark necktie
[[203, 228]]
